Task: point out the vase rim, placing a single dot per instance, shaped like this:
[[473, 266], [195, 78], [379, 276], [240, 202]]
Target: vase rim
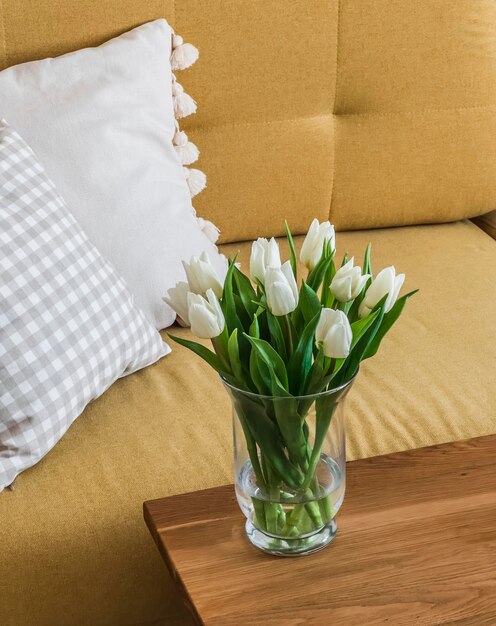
[[303, 397]]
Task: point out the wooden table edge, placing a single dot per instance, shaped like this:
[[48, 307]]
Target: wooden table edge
[[166, 557], [227, 491]]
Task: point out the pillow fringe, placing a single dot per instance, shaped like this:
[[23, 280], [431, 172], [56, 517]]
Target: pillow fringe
[[184, 55], [187, 151]]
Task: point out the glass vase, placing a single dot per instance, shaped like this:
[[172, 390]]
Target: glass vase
[[289, 467]]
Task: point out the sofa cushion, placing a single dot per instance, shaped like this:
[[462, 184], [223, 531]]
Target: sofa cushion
[[72, 535], [385, 109]]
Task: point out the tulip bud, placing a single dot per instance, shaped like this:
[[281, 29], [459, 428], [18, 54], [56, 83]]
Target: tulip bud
[[264, 253], [281, 289], [202, 275], [386, 282], [348, 282], [177, 299], [312, 247], [334, 334], [205, 316]]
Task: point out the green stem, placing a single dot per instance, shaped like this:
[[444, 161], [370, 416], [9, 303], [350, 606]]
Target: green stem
[[326, 511], [259, 509], [265, 470], [325, 504], [313, 510], [273, 509], [289, 333], [323, 423], [294, 519]]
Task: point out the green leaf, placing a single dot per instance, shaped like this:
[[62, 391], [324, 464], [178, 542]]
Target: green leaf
[[316, 276], [294, 262], [254, 327], [243, 317], [267, 435], [259, 373], [245, 290], [309, 303], [367, 269], [316, 378], [326, 296], [301, 359], [220, 346], [325, 406], [387, 322], [271, 358], [355, 306], [236, 365], [358, 328], [251, 444], [227, 302], [276, 334], [352, 362], [308, 306], [207, 355], [289, 421]]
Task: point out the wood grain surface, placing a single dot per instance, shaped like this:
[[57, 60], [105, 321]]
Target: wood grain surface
[[416, 545]]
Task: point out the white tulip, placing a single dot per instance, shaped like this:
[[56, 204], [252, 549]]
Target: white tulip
[[385, 283], [177, 299], [334, 333], [264, 253], [281, 289], [317, 235], [205, 315], [202, 276], [348, 282]]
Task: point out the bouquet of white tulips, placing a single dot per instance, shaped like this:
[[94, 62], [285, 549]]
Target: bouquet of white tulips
[[277, 335]]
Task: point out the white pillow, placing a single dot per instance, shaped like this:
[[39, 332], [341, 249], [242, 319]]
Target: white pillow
[[68, 324], [101, 120]]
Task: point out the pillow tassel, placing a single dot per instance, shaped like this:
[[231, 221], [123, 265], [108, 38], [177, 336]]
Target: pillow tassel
[[184, 104], [183, 54], [197, 181], [186, 150], [209, 229]]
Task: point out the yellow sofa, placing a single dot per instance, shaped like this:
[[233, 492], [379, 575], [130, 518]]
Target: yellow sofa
[[378, 113]]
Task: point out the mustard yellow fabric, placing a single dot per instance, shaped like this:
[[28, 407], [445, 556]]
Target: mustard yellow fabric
[[378, 112], [74, 547]]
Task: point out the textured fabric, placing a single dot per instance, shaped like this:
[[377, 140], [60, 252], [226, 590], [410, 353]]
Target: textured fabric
[[488, 223], [382, 112], [101, 121], [68, 325], [72, 534]]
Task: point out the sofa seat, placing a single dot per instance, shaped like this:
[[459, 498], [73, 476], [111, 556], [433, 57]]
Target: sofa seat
[[74, 547]]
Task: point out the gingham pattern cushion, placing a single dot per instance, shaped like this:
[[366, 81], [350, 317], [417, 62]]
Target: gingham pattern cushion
[[68, 324]]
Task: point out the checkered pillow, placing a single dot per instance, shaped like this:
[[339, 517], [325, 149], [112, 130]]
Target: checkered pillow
[[68, 324]]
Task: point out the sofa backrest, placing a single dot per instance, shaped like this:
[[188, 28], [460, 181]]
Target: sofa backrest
[[377, 112]]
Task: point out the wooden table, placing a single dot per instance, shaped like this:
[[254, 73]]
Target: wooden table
[[416, 544]]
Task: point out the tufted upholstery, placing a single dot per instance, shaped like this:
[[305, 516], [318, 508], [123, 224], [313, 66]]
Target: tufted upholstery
[[381, 112]]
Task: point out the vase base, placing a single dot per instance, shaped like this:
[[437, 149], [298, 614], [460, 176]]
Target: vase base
[[279, 546]]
